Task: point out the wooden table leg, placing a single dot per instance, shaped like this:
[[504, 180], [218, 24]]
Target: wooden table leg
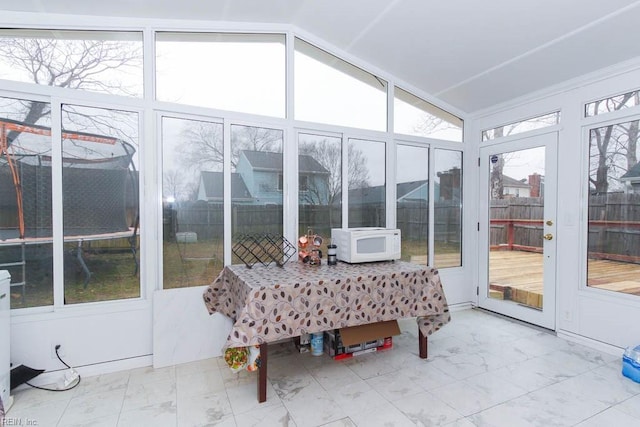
[[422, 345], [262, 374]]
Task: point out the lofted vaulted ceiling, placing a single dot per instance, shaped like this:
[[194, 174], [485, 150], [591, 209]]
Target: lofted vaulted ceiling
[[470, 54]]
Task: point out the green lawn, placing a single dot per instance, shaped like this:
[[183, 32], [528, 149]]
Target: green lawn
[[185, 264]]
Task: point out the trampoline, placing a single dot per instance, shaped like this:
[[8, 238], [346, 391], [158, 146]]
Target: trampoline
[[99, 191]]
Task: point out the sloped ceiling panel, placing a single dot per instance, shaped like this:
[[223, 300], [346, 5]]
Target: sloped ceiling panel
[[469, 53], [448, 43], [609, 42]]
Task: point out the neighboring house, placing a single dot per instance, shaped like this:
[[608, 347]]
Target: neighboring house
[[258, 180], [515, 188], [631, 179], [262, 175], [210, 188]]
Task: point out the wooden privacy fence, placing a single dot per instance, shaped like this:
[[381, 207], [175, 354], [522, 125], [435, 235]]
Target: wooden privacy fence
[[412, 218], [207, 220], [614, 226]]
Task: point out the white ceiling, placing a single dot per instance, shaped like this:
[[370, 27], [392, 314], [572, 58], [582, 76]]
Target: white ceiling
[[471, 54]]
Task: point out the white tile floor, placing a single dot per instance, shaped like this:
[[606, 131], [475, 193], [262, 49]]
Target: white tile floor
[[482, 370]]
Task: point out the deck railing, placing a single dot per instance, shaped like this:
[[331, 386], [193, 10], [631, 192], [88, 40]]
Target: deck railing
[[610, 240]]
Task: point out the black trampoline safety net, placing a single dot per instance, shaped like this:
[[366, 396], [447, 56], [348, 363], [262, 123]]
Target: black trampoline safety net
[[99, 182]]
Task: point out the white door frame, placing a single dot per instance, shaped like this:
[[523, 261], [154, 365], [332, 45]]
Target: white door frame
[[547, 316]]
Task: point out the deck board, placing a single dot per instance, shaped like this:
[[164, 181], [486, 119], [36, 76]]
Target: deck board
[[517, 275]]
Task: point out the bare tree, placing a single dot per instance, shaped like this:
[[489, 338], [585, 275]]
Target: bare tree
[[329, 155], [431, 125], [497, 177], [75, 64], [254, 138], [358, 172], [497, 181], [173, 184], [611, 143], [201, 146]]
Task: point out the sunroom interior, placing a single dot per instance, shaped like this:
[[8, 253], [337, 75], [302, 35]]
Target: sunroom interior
[[141, 140]]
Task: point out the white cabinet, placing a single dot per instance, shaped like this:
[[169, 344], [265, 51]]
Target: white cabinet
[[5, 370]]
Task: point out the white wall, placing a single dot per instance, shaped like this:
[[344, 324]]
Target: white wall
[[183, 330], [591, 314], [86, 337]]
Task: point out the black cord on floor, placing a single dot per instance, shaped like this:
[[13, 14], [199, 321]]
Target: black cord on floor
[[57, 389]]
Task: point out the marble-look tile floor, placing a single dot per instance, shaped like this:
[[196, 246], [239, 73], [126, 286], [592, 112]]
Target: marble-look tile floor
[[483, 370]]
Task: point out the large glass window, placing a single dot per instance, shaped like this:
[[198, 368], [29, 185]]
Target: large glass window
[[367, 183], [613, 259], [320, 169], [330, 90], [192, 194], [97, 61], [520, 126], [26, 249], [415, 116], [412, 201], [612, 103], [100, 199], [237, 72], [256, 195], [447, 213]]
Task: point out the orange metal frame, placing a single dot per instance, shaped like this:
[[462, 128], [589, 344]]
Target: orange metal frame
[[7, 126]]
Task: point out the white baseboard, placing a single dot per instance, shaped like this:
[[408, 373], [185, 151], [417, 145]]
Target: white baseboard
[[7, 405], [461, 306], [47, 379], [588, 342]]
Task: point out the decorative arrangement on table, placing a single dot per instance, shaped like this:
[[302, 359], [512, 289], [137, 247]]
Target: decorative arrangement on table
[[309, 248], [263, 248]]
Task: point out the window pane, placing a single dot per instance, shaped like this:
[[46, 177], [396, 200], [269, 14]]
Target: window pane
[[236, 72], [614, 208], [100, 204], [367, 185], [522, 126], [256, 167], [320, 166], [412, 177], [614, 103], [447, 209], [192, 194], [96, 61], [415, 116], [26, 249], [330, 90]]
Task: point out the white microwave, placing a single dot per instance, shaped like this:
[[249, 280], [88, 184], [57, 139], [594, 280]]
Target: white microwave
[[366, 244]]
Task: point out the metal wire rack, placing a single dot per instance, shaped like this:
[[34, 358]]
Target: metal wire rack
[[264, 248]]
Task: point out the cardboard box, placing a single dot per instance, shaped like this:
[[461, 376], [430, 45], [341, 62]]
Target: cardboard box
[[353, 341], [369, 332]]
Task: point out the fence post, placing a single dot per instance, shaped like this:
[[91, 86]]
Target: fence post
[[510, 233]]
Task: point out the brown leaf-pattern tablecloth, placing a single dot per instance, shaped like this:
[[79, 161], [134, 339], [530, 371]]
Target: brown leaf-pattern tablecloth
[[272, 303]]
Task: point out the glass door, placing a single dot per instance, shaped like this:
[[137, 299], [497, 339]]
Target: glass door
[[517, 229]]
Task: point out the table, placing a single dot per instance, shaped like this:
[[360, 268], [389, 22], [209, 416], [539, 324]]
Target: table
[[272, 303]]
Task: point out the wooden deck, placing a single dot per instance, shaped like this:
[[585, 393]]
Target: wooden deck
[[517, 276]]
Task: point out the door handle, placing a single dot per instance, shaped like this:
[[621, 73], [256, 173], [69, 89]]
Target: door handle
[[548, 236]]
